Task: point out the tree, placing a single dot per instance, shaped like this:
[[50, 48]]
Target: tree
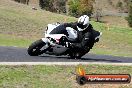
[[23, 1], [59, 6], [53, 5], [27, 2], [80, 7], [17, 1], [120, 5], [98, 15], [45, 4], [129, 18], [86, 7], [110, 2], [73, 7]]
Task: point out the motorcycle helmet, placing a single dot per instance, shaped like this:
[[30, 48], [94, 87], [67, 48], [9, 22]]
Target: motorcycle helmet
[[83, 23]]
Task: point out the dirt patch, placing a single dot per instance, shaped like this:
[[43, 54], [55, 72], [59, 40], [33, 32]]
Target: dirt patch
[[114, 20]]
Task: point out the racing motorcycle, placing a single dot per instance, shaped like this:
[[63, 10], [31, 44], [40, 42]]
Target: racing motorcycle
[[55, 42]]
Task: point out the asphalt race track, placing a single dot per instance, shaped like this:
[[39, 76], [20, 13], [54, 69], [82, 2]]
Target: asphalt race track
[[14, 54]]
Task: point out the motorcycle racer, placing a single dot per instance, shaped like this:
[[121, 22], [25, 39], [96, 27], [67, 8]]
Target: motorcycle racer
[[85, 39], [85, 35], [72, 39]]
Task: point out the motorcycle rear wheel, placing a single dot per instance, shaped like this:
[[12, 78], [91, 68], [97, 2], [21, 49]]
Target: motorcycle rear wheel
[[35, 48]]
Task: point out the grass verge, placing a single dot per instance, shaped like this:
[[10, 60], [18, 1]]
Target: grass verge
[[42, 76], [14, 41]]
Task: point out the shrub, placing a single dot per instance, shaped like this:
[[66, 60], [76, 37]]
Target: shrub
[[129, 18], [80, 7], [53, 5]]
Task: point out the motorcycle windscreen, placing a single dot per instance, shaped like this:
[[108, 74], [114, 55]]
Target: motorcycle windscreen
[[60, 30]]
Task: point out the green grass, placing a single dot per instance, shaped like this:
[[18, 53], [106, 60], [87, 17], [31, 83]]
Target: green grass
[[22, 20], [55, 76], [14, 41], [20, 25], [115, 41]]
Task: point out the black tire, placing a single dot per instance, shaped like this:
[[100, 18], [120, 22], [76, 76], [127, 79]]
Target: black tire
[[34, 48]]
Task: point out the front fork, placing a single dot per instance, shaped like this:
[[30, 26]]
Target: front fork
[[46, 41], [49, 41]]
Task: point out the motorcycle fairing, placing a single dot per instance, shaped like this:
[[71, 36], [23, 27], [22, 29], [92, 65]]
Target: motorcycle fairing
[[72, 32]]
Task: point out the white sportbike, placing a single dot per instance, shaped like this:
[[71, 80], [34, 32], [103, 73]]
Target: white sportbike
[[55, 42]]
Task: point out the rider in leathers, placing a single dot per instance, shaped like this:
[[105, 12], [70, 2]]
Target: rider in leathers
[[85, 39]]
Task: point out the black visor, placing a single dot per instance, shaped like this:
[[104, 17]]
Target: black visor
[[82, 26]]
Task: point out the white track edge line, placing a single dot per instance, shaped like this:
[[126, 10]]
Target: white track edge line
[[62, 63]]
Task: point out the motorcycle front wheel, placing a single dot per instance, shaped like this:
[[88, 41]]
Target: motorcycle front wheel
[[35, 48]]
